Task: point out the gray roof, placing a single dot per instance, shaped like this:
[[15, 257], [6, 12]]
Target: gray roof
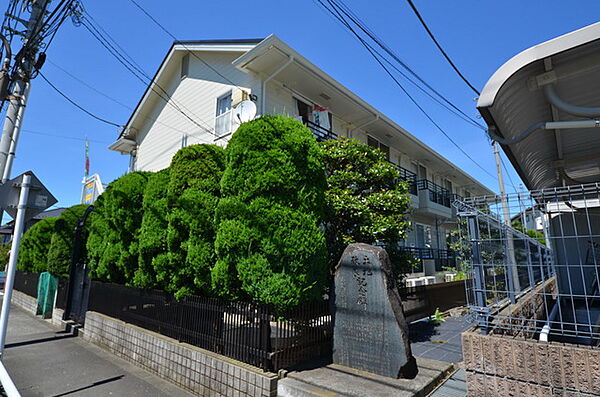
[[516, 98]]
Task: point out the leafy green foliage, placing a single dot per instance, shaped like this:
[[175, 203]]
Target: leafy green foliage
[[366, 203], [153, 232], [269, 244], [33, 252], [112, 246], [61, 244], [4, 255], [192, 197]]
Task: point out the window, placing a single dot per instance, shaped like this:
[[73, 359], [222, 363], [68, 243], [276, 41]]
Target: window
[[223, 120], [185, 65], [423, 236], [422, 171], [304, 110], [184, 141], [448, 185], [376, 144]]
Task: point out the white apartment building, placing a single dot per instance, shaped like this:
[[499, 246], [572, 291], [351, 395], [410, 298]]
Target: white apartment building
[[207, 79]]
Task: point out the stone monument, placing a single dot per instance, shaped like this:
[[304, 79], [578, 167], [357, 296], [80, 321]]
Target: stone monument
[[370, 332]]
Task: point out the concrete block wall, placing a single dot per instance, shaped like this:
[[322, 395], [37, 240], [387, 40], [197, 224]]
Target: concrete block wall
[[499, 365], [200, 371], [24, 301]]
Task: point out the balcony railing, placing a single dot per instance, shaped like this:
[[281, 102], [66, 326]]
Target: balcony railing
[[410, 177], [442, 257], [437, 194], [321, 133]]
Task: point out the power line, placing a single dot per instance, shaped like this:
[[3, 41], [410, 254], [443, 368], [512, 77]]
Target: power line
[[340, 7], [164, 29], [412, 5], [134, 69], [63, 136], [76, 104], [337, 15]]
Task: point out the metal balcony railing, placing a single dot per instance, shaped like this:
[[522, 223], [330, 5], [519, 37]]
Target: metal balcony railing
[[437, 194], [321, 133], [442, 257]]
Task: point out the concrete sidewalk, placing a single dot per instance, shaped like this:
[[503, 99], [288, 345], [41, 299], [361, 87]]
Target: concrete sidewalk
[[45, 361]]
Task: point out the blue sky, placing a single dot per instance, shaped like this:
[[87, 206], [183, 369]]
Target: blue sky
[[479, 35]]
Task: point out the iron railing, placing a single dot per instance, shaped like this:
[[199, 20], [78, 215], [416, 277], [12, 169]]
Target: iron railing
[[252, 333], [410, 177], [437, 194], [321, 133], [442, 257], [540, 250], [26, 283]]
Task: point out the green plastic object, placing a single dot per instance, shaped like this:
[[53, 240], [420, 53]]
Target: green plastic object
[[47, 286]]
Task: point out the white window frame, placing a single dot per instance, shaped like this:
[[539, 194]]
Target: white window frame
[[226, 118]]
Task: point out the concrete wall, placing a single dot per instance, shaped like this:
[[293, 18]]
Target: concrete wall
[[24, 301], [203, 372], [502, 366]]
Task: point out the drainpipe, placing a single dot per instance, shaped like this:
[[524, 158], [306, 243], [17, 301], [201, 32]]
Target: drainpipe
[[363, 125], [546, 329], [263, 104], [554, 99]]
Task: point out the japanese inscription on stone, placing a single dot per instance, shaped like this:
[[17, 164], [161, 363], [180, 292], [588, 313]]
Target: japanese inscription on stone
[[370, 332]]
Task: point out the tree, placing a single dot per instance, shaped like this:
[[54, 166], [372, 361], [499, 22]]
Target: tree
[[33, 252], [153, 248], [269, 244], [4, 255], [192, 197], [366, 201], [112, 245], [60, 251]]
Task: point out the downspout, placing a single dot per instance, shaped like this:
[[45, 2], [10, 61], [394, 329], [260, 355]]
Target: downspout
[[263, 104], [360, 127], [547, 327]]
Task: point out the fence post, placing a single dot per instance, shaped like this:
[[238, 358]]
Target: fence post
[[510, 264], [265, 338], [478, 273]]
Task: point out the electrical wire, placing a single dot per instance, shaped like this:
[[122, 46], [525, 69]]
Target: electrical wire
[[193, 53], [64, 136], [340, 7], [414, 8], [76, 104], [338, 16], [141, 75]]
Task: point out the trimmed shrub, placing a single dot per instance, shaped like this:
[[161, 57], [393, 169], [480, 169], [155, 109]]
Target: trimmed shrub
[[366, 202], [112, 245], [61, 244], [33, 252], [192, 197], [4, 255], [269, 244], [153, 232]]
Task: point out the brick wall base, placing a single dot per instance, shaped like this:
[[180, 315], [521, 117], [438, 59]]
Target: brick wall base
[[499, 365], [24, 301], [203, 372]]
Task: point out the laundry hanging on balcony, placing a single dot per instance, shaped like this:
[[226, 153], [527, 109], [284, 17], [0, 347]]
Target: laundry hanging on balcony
[[321, 117]]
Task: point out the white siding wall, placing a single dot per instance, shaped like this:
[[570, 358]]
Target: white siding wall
[[196, 95]]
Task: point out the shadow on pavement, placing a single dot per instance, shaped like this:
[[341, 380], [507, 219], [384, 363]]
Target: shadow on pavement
[[100, 382]]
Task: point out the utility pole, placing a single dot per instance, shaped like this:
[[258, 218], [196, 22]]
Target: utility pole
[[512, 267], [18, 98]]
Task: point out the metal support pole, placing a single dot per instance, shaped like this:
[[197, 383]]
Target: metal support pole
[[10, 123], [512, 269], [16, 133], [479, 273], [12, 262]]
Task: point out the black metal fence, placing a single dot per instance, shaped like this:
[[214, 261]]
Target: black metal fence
[[26, 283], [437, 194], [61, 293], [248, 332], [422, 301]]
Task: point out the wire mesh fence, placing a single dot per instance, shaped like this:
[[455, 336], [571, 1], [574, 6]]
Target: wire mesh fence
[[538, 251], [249, 332]]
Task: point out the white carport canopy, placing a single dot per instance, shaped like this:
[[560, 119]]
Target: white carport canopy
[[543, 105]]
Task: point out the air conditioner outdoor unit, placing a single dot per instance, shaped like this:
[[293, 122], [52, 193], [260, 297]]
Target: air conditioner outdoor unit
[[414, 282], [449, 277], [427, 280]]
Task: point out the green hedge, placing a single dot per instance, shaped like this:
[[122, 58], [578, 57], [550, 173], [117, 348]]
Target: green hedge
[[269, 244], [33, 252], [114, 226], [193, 194], [60, 250]]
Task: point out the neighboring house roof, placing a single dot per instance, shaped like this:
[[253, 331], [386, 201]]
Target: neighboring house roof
[[517, 97], [7, 228], [269, 57]]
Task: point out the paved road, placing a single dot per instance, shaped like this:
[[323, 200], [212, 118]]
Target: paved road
[[44, 361]]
